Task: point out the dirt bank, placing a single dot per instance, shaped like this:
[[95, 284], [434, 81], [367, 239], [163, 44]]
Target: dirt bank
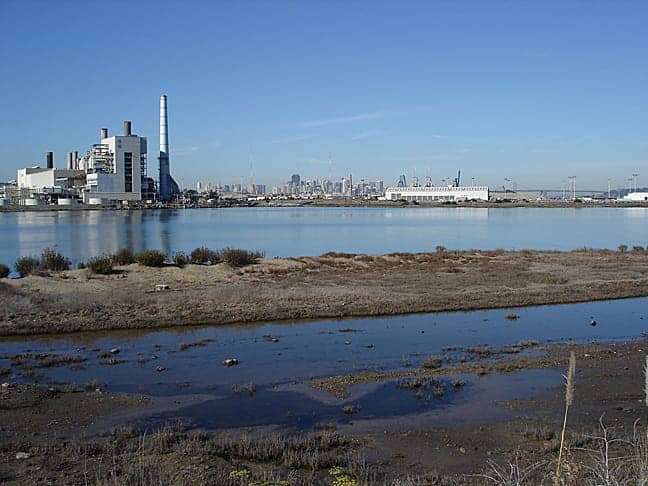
[[332, 285]]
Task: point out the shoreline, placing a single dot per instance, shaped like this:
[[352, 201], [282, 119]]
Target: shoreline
[[334, 285], [349, 204]]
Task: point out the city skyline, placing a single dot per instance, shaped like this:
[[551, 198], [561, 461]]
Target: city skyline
[[533, 93]]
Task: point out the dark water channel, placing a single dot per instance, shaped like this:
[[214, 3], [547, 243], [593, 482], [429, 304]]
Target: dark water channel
[[271, 383]]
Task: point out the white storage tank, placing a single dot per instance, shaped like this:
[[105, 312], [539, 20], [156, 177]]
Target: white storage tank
[[31, 201], [66, 201], [95, 201]]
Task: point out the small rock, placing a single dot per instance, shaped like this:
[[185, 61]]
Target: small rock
[[160, 287], [22, 455], [593, 322], [114, 351], [462, 450], [160, 368], [231, 362], [370, 346], [347, 342]]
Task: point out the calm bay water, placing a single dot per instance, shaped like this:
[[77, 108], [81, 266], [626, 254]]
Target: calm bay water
[[313, 231]]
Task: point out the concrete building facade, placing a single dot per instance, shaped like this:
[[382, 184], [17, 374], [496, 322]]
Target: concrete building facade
[[115, 166]]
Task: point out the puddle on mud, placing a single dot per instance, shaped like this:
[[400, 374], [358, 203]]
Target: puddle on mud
[[281, 358]]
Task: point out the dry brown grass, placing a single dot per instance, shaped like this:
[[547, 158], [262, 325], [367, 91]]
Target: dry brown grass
[[332, 285]]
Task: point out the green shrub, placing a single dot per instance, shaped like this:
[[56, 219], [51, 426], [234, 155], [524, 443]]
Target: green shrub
[[622, 248], [180, 259], [151, 258], [101, 265], [53, 261], [4, 271], [123, 256], [203, 255], [236, 257], [26, 265]]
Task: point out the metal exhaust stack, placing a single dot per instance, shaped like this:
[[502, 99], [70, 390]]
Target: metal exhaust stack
[[103, 134], [70, 161], [127, 128], [50, 160], [165, 189]]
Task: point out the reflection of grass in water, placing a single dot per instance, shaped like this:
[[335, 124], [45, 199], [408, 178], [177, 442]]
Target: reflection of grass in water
[[249, 388], [195, 344], [424, 387]]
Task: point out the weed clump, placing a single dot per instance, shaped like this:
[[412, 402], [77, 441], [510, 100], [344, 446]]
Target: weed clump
[[26, 265], [203, 255], [180, 259], [4, 271], [151, 258], [236, 257], [123, 256], [432, 363], [53, 261], [246, 388], [100, 265]]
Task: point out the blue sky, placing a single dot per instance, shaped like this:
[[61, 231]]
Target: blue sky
[[533, 91]]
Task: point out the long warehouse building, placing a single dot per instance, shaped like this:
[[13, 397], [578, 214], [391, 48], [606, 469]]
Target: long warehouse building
[[437, 193]]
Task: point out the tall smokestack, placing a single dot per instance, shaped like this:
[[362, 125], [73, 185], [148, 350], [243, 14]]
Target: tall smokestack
[[75, 160], [70, 161], [127, 128], [165, 189], [50, 160], [103, 134]]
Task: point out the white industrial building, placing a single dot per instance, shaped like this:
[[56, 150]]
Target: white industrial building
[[114, 167], [38, 179], [636, 197], [437, 193]]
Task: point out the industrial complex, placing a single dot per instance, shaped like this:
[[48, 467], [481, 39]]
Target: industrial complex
[[112, 172]]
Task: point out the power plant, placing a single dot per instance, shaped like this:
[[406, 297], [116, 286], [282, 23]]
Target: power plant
[[111, 172]]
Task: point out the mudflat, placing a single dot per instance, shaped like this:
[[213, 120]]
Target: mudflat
[[330, 285]]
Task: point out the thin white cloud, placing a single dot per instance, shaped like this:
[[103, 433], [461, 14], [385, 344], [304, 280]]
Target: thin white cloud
[[194, 148], [296, 138], [367, 134], [360, 117]]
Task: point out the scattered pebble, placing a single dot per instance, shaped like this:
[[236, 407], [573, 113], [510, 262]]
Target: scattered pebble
[[593, 322], [22, 455], [160, 368], [231, 362], [114, 351]]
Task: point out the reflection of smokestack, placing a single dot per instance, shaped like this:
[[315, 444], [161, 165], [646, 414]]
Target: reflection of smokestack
[[165, 186], [50, 160], [104, 134], [127, 128]]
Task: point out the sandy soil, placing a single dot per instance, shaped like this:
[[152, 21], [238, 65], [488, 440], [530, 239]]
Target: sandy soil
[[332, 285]]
